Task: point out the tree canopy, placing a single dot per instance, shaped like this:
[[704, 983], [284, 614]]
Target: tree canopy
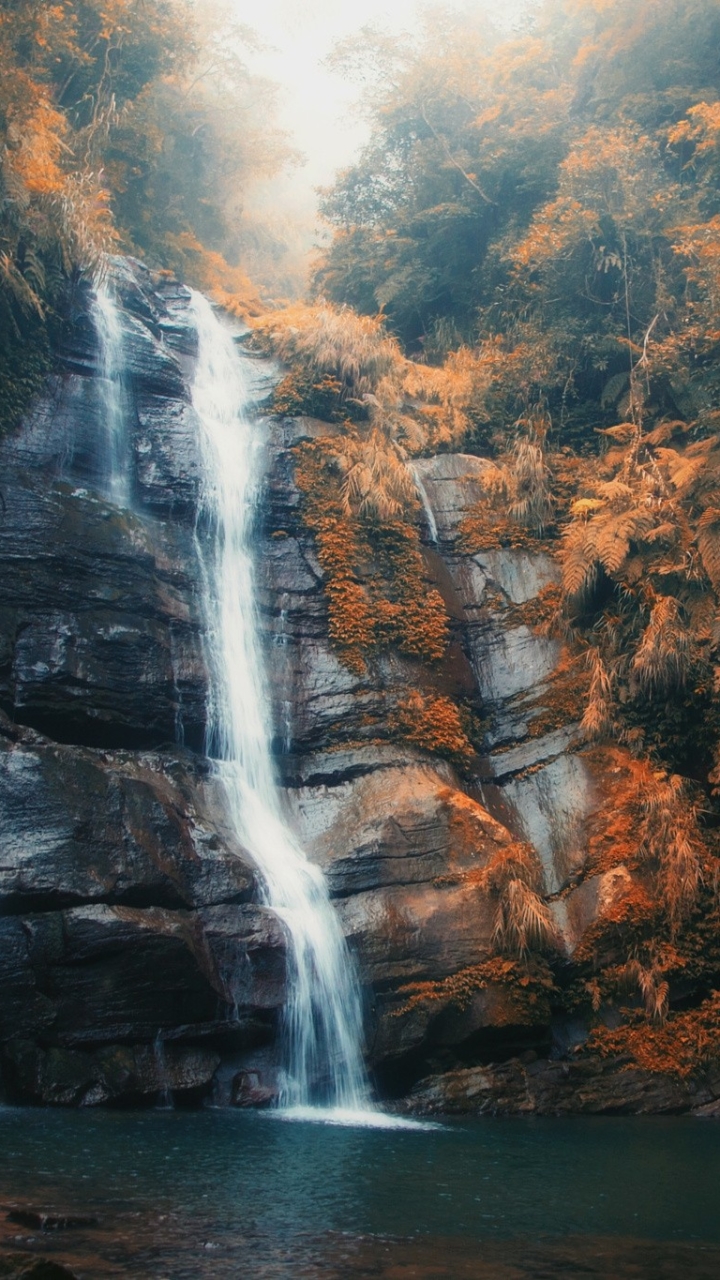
[[556, 191], [124, 124]]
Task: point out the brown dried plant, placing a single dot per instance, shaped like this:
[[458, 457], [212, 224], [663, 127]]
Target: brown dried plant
[[355, 349], [666, 653], [376, 479], [670, 838], [521, 483], [522, 920], [599, 720], [652, 985]]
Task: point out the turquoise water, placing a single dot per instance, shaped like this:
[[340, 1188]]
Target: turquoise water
[[231, 1194]]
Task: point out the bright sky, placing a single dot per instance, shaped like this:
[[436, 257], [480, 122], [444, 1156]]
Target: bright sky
[[316, 105]]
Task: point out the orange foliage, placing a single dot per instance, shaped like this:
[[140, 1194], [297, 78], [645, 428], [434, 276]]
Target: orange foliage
[[208, 271], [375, 581], [686, 1044], [434, 724], [36, 162], [529, 987]]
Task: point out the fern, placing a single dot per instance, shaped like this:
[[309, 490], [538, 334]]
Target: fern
[[666, 653], [670, 837], [708, 541], [653, 987], [19, 287], [598, 721], [579, 562]]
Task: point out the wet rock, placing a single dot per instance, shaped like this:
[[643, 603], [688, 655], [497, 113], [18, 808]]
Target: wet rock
[[92, 979], [251, 1089], [453, 483], [248, 947], [595, 898], [587, 1085], [533, 751], [100, 636], [129, 945], [25, 1008], [38, 1220], [396, 825], [519, 575], [133, 957], [166, 457], [378, 818], [84, 826], [27, 1266], [100, 633], [549, 807], [64, 1077], [403, 848]]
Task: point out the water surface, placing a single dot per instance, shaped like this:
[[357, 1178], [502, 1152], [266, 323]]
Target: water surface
[[237, 1194]]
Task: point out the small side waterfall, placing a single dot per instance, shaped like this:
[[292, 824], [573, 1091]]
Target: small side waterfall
[[108, 326], [423, 496], [323, 1027]]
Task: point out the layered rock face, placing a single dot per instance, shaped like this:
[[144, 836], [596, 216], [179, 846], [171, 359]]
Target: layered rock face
[[402, 839], [134, 955]]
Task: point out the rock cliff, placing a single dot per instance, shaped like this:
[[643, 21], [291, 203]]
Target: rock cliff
[[134, 954]]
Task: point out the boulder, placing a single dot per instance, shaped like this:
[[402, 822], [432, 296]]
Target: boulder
[[585, 1085], [84, 826]]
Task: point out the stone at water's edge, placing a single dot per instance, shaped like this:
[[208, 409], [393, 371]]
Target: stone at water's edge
[[28, 1266], [133, 955], [586, 1086]]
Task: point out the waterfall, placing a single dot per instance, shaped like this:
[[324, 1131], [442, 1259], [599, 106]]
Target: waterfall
[[108, 326], [429, 513], [322, 1024]]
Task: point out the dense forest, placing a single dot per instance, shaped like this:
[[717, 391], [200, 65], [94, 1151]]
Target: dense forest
[[524, 264]]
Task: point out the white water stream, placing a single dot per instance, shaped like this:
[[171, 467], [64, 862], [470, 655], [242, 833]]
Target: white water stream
[[108, 326], [323, 1026], [423, 496]]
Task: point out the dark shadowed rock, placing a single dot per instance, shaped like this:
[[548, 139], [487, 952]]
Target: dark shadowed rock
[[80, 826], [27, 1266], [73, 1078], [94, 979], [99, 624], [38, 1220], [586, 1085]]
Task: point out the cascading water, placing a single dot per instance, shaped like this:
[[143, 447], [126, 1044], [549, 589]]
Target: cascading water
[[323, 1026], [108, 326], [423, 496]]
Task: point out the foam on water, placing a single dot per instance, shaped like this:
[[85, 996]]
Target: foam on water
[[351, 1119]]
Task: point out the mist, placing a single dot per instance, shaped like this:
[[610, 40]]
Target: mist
[[320, 110]]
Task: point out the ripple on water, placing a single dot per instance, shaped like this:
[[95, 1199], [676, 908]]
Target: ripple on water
[[218, 1195]]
